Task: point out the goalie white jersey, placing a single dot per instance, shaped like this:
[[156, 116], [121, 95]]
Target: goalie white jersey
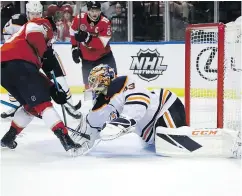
[[157, 117], [128, 99]]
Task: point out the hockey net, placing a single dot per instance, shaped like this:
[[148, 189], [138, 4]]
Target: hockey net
[[213, 76]]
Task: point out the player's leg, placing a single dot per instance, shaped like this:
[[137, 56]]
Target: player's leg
[[38, 101], [173, 117], [41, 105], [174, 138], [109, 60], [86, 68], [21, 118], [60, 77]]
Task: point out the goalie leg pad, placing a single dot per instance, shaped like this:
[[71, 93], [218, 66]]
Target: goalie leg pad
[[188, 142], [173, 117]]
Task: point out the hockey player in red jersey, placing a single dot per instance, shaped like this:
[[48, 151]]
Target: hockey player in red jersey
[[90, 34], [21, 58], [34, 9]]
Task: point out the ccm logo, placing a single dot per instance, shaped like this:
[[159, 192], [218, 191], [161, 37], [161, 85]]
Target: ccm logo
[[208, 132]]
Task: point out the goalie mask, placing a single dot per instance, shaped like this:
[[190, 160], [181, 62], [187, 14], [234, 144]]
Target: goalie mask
[[100, 78]]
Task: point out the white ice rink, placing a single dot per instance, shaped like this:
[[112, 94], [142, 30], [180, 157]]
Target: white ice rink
[[39, 166]]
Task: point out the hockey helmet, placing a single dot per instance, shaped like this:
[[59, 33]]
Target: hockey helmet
[[93, 5], [100, 78], [94, 10], [34, 9], [34, 6]]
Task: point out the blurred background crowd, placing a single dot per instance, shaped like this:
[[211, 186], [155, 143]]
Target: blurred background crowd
[[137, 20]]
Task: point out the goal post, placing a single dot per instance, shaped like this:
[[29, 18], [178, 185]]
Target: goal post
[[213, 75]]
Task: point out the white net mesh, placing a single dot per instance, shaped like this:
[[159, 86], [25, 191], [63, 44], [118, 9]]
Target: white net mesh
[[233, 76], [203, 77]]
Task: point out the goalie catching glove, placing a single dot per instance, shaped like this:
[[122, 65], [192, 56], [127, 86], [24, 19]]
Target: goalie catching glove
[[116, 128]]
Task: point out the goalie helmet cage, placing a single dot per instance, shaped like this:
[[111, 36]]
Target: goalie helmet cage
[[211, 38]]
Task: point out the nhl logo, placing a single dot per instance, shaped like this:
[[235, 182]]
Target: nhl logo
[[148, 65]]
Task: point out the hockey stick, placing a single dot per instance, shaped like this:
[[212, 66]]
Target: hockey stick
[[79, 26], [78, 133], [62, 106], [15, 107], [75, 107], [85, 149], [9, 104], [76, 116]]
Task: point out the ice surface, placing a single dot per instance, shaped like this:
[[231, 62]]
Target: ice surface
[[40, 167]]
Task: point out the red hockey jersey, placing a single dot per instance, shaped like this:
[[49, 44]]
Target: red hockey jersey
[[101, 32], [29, 43]]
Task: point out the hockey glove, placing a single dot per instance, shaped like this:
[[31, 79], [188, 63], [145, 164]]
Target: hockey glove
[[116, 128], [76, 54], [83, 36], [59, 97], [49, 60]]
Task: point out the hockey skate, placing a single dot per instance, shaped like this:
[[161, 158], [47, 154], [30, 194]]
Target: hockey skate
[[8, 139], [66, 141]]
